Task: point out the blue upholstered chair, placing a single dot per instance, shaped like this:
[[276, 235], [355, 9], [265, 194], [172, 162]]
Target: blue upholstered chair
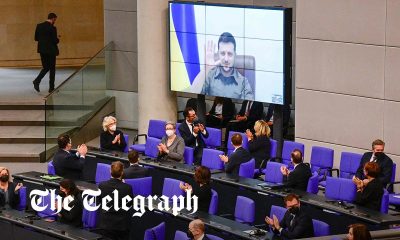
[[385, 202], [22, 199], [320, 228], [214, 138], [179, 235], [103, 172], [278, 211], [321, 161], [155, 233], [288, 147], [211, 159], [247, 216], [247, 169], [312, 186], [213, 208], [141, 186], [126, 149], [156, 130], [188, 155], [50, 168], [151, 149], [273, 172], [171, 188], [89, 219], [340, 189], [272, 154], [229, 145], [47, 212]]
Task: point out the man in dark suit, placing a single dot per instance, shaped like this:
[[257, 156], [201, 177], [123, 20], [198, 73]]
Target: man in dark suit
[[377, 155], [298, 178], [135, 170], [239, 156], [115, 224], [46, 36], [67, 164], [295, 224], [249, 113], [196, 230], [193, 132]]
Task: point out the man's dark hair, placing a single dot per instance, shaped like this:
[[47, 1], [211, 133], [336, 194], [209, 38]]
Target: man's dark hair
[[186, 111], [117, 168], [63, 141], [51, 16], [227, 38], [290, 197], [237, 139], [70, 186], [133, 156], [297, 156]]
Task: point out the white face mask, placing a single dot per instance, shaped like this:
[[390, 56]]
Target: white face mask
[[169, 132], [113, 127]]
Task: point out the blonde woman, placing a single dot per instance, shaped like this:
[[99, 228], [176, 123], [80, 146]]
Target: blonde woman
[[111, 138], [9, 191], [259, 144]]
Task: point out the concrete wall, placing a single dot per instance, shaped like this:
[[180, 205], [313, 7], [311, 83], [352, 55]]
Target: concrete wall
[[347, 75], [80, 24]]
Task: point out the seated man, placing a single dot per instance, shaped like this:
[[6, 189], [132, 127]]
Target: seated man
[[115, 224], [193, 132], [66, 164], [239, 155], [295, 224], [196, 230], [377, 155], [135, 170], [298, 178]]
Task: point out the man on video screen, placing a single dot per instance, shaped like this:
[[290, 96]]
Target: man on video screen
[[221, 77]]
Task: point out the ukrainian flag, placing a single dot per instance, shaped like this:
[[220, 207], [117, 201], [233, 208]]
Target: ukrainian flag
[[183, 46]]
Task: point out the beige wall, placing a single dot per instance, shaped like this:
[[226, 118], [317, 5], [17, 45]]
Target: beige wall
[[347, 75], [80, 24]]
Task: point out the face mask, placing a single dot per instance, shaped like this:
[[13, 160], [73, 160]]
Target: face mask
[[113, 127], [189, 234], [294, 210], [4, 178], [169, 132], [378, 154]]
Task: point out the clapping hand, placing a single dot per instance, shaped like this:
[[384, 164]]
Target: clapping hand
[[223, 158], [284, 170], [162, 147], [201, 127], [185, 186], [18, 187], [249, 134], [82, 149]]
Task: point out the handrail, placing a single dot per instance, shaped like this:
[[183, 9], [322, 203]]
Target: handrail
[[78, 70]]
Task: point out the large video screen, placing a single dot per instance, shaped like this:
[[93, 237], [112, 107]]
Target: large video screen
[[230, 51]]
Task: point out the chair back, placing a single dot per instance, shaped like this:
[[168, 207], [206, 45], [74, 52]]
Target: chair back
[[312, 186], [244, 216], [89, 218], [211, 159], [288, 147], [229, 145], [273, 172], [103, 172], [349, 163], [179, 235], [320, 228], [141, 186], [385, 202], [156, 128], [340, 189], [22, 199], [171, 188], [247, 169], [46, 200], [188, 155], [155, 233], [151, 149], [278, 211], [50, 168], [213, 208], [126, 149], [274, 148], [321, 160], [214, 138]]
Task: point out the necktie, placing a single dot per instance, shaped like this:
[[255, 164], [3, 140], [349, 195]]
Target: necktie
[[248, 108], [291, 221]]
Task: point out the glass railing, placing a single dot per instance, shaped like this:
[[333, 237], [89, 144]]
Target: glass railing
[[77, 99]]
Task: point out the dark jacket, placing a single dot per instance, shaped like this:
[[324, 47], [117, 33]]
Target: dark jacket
[[204, 197], [46, 36], [106, 139], [115, 220], [135, 171], [189, 138], [73, 217], [236, 158], [13, 197], [259, 148], [298, 178], [68, 165], [256, 111], [385, 164], [371, 196], [228, 109], [302, 226]]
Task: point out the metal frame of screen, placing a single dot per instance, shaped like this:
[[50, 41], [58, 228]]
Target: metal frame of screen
[[287, 42]]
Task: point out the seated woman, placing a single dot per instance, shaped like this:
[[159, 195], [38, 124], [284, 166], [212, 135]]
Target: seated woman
[[111, 138], [222, 111], [202, 177], [74, 216], [258, 143], [171, 146], [9, 191], [369, 190]]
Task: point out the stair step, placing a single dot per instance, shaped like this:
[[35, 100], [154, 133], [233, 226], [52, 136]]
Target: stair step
[[29, 134]]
